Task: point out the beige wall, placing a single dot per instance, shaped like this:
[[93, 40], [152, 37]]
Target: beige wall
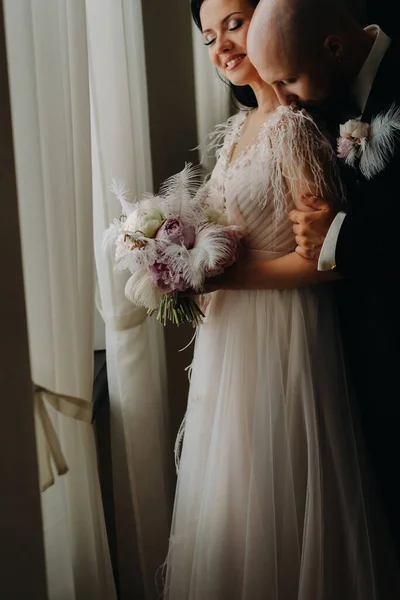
[[170, 78], [22, 568]]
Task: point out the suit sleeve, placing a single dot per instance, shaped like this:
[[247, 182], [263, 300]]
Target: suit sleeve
[[367, 242]]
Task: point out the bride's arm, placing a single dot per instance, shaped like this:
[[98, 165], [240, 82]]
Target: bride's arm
[[288, 272]]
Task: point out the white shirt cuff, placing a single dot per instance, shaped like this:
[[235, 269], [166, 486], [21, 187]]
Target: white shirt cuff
[[328, 251]]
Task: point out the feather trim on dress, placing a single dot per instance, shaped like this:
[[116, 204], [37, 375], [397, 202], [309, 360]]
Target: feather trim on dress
[[292, 151]]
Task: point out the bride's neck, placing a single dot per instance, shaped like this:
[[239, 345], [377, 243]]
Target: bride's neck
[[267, 100]]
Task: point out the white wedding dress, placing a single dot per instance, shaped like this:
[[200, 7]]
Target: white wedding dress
[[269, 501]]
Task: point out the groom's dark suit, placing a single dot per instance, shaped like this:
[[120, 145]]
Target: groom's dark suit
[[368, 254]]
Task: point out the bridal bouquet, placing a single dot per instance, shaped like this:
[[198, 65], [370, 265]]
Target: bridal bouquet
[[171, 242]]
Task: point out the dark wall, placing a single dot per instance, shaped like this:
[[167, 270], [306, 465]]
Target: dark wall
[[173, 132], [384, 13], [358, 9], [378, 12], [170, 79]]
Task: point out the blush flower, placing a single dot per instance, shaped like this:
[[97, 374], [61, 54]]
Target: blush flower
[[174, 231], [353, 140], [166, 277], [355, 129], [345, 147]]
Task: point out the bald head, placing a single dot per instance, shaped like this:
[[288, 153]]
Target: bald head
[[293, 27], [316, 40]]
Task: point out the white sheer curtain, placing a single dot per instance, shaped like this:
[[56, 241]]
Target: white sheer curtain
[[47, 52], [134, 343], [213, 104]]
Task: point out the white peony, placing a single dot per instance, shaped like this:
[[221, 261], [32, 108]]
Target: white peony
[[145, 221]]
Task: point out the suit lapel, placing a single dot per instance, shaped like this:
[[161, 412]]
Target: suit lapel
[[385, 89]]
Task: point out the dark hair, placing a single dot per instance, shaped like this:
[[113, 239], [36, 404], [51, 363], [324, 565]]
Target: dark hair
[[243, 94]]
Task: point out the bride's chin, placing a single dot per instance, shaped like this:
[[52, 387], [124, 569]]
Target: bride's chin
[[238, 81], [235, 78]]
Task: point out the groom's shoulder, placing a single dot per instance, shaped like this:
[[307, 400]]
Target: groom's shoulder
[[384, 105], [390, 67], [387, 83]]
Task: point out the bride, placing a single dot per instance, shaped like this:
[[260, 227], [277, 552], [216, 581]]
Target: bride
[[269, 501]]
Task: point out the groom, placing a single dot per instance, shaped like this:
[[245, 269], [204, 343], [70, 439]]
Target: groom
[[314, 54]]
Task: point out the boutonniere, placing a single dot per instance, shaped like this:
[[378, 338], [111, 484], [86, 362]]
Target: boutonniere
[[372, 144]]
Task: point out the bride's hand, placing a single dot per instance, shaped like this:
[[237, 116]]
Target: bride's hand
[[227, 280], [232, 278]]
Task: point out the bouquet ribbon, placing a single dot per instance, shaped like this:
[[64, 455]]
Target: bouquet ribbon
[[48, 444]]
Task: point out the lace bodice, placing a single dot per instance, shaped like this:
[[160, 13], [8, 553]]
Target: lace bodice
[[252, 186]]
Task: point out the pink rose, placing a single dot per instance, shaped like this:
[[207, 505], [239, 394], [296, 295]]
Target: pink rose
[[175, 232]]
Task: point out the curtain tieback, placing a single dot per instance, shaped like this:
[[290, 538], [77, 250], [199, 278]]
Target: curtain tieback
[[48, 444], [122, 322]]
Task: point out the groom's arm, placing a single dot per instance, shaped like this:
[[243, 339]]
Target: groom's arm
[[367, 241], [362, 241]]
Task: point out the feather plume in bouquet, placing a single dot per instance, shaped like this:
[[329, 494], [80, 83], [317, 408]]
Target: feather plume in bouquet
[[171, 242]]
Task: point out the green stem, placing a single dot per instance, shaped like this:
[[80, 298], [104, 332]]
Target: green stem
[[178, 311]]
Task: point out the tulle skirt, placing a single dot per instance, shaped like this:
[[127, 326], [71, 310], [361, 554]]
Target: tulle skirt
[[269, 501]]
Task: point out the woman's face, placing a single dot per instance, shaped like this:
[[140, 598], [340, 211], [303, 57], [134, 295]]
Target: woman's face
[[225, 24]]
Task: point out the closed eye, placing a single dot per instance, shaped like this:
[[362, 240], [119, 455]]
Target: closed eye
[[235, 25]]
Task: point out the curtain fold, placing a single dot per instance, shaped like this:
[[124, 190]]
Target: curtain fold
[[47, 54], [142, 470]]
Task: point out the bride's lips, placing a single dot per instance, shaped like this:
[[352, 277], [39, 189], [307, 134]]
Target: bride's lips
[[234, 61]]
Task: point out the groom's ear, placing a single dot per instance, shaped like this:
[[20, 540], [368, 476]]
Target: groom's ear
[[334, 47]]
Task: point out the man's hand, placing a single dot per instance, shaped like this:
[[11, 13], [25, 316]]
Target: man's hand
[[311, 227]]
